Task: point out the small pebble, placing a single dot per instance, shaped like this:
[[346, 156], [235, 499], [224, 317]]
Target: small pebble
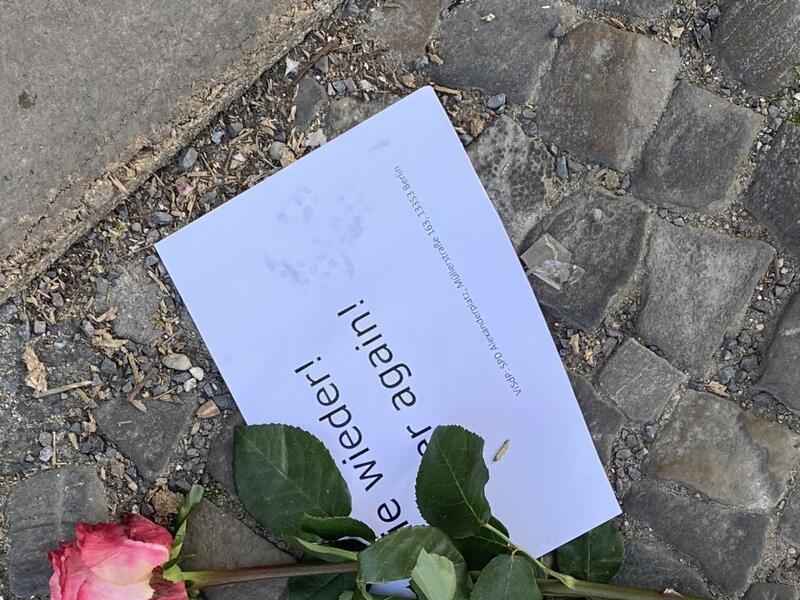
[[762, 306], [750, 363], [188, 158], [177, 362], [420, 64], [159, 217], [235, 128], [496, 101], [561, 167], [276, 149], [197, 373], [108, 366], [45, 454], [322, 65]]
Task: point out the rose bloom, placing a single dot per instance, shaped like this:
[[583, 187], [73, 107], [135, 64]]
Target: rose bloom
[[111, 561]]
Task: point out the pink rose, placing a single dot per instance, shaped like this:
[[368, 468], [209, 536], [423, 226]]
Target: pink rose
[[114, 562]]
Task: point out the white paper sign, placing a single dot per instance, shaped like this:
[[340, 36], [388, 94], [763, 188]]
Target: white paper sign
[[368, 293]]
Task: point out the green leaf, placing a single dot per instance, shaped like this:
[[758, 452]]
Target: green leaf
[[394, 556], [507, 577], [451, 481], [193, 498], [320, 587], [434, 577], [482, 547], [335, 528], [595, 556], [283, 473], [327, 553]]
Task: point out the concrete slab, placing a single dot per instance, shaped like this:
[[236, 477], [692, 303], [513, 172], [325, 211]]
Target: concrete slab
[[90, 88]]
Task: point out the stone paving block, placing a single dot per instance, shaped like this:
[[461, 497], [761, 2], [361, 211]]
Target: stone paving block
[[650, 566], [505, 55], [693, 158], [41, 512], [517, 173], [725, 543], [137, 298], [311, 100], [759, 42], [702, 281], [790, 519], [219, 463], [216, 539], [774, 197], [634, 8], [345, 113], [116, 82], [770, 591], [730, 455], [605, 235], [148, 439], [781, 377], [605, 93], [603, 420], [405, 27], [639, 381]]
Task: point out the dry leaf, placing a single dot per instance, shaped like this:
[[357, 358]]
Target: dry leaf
[[676, 31], [109, 315], [105, 341], [476, 126], [408, 81], [287, 157], [502, 452], [588, 356], [37, 372], [717, 388]]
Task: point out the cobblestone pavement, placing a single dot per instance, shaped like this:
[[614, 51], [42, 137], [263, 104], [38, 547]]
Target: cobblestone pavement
[[655, 140]]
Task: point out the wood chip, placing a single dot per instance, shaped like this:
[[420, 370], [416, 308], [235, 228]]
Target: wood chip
[[37, 372], [717, 388], [89, 426], [138, 404], [616, 23], [63, 388], [208, 410], [118, 184], [446, 90], [575, 344], [588, 356]]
